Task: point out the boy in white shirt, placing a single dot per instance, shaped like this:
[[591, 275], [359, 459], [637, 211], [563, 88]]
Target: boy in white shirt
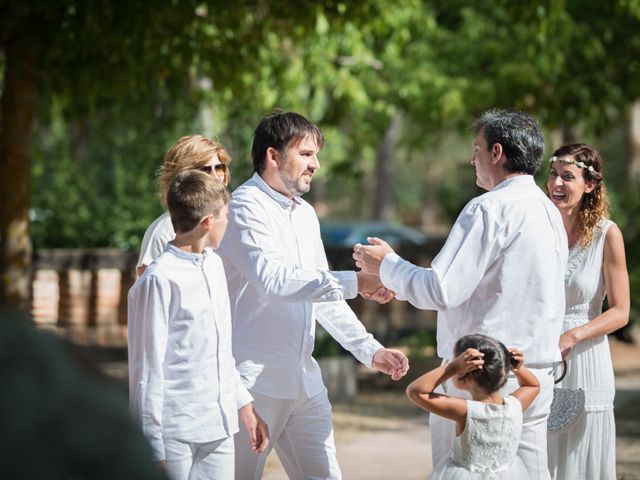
[[183, 383]]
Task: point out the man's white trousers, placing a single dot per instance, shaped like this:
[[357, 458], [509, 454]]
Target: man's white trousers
[[301, 431]]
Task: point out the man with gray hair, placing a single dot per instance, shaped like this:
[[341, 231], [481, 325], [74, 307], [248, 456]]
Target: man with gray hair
[[500, 272]]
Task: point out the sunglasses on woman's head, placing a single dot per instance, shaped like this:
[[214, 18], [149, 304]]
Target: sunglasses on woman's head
[[220, 167]]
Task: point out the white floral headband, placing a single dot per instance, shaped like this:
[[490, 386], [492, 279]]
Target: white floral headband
[[589, 168]]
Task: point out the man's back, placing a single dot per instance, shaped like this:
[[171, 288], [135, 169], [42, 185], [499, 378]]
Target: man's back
[[517, 292]]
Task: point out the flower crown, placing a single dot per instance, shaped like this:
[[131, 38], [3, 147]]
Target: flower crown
[[574, 162]]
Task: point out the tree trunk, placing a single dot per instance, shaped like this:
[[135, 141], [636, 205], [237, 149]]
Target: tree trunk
[[634, 142], [384, 194], [16, 117]]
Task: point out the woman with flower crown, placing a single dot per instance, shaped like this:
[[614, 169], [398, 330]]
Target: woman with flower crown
[[596, 268]]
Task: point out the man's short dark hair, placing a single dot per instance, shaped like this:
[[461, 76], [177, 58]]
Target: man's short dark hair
[[192, 196], [520, 137], [280, 130]]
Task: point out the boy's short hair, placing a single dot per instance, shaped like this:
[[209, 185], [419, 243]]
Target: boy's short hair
[[189, 153], [192, 196]]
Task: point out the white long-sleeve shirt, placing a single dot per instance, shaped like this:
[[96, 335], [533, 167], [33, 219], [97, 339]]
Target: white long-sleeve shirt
[[500, 273], [279, 284], [182, 377]]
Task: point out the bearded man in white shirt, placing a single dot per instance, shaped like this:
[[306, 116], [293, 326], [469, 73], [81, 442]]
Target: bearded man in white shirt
[[279, 284], [500, 272]]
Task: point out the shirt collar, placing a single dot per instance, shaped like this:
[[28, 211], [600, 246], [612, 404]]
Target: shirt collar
[[194, 257], [515, 180], [283, 201]]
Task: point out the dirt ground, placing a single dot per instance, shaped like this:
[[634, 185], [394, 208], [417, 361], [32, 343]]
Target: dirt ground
[[382, 436]]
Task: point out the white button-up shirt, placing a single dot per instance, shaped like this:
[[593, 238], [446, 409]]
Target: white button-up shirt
[[279, 284], [500, 273], [182, 377]]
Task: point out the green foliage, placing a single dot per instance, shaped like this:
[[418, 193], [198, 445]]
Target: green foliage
[[124, 80], [325, 345], [94, 179], [421, 344]]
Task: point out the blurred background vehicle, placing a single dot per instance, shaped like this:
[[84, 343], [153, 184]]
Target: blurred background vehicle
[[348, 234]]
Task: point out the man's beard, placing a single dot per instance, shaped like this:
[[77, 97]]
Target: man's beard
[[295, 187]]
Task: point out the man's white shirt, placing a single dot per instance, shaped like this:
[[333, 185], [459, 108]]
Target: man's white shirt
[[500, 273], [182, 377], [279, 284]]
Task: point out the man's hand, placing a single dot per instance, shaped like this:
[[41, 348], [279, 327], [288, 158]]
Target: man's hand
[[258, 430], [371, 288], [369, 257], [392, 362]]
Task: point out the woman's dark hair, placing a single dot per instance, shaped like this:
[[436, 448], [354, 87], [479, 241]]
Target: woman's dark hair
[[497, 361]]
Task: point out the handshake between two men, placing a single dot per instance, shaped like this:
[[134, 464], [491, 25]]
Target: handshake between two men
[[368, 259]]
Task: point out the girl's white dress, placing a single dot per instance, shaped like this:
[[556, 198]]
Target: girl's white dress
[[587, 451], [487, 447]]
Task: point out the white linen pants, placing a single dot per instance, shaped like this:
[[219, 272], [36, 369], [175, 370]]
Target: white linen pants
[[533, 442], [301, 431], [200, 461]]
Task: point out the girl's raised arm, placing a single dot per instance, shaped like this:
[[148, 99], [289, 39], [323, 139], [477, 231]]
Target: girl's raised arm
[[421, 390], [529, 384]]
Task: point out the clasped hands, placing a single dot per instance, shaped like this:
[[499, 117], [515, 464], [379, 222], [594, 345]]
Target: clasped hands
[[368, 259]]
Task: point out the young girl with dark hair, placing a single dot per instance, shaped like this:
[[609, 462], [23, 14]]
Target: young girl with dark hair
[[488, 427]]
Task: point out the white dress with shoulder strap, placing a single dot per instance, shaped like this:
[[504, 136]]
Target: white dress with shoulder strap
[[488, 446], [587, 451]]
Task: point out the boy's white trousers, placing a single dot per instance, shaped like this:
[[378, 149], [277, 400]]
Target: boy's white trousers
[[199, 461]]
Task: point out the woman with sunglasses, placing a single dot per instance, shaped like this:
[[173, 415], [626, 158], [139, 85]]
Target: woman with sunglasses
[[596, 268], [194, 152]]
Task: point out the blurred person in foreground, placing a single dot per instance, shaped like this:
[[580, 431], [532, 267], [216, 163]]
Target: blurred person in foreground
[[60, 418], [280, 284], [596, 268], [183, 382], [193, 152], [500, 273]]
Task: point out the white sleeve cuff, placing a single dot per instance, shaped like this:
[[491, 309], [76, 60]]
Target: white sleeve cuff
[[157, 447], [386, 269], [243, 397], [372, 347], [349, 282]]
